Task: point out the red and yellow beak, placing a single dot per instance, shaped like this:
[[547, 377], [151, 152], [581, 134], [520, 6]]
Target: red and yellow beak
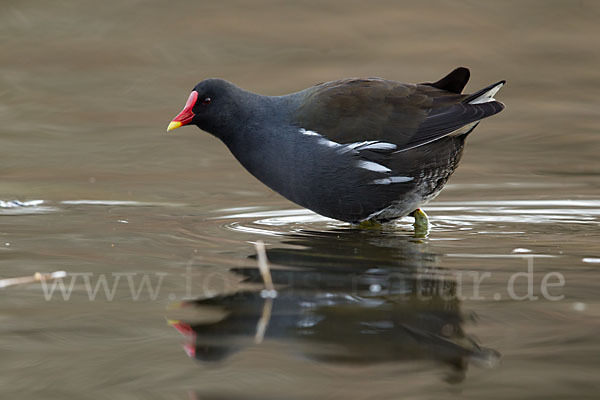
[[186, 115]]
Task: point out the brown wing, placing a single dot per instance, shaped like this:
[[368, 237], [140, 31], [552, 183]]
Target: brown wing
[[374, 109]]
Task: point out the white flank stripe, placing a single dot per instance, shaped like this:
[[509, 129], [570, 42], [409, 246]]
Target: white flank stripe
[[358, 144], [393, 179], [370, 145], [328, 143], [380, 146], [347, 148], [308, 133], [371, 166]]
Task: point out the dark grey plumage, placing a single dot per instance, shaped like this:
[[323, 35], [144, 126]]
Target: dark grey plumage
[[353, 149]]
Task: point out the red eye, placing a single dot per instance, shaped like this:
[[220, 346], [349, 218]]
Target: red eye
[[206, 101]]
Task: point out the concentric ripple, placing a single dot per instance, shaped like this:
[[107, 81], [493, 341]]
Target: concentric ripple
[[277, 222], [444, 216]]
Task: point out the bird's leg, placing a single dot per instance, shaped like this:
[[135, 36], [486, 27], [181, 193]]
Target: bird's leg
[[421, 224], [370, 224]]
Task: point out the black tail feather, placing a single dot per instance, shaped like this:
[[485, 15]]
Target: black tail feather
[[454, 82]]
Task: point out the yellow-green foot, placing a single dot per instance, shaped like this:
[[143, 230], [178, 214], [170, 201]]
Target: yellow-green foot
[[370, 224], [421, 224]]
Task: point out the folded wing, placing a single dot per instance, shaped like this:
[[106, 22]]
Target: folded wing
[[406, 115]]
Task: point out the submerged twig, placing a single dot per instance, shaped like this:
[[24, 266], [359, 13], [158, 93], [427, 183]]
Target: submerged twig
[[269, 292], [37, 277], [263, 266], [263, 322]]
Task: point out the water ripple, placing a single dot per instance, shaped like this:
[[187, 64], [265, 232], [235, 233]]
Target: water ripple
[[16, 207], [444, 216], [120, 203]]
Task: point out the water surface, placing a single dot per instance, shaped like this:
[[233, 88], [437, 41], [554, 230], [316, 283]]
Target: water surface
[[93, 186]]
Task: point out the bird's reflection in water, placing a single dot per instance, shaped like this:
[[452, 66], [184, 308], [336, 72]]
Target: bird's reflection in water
[[345, 297]]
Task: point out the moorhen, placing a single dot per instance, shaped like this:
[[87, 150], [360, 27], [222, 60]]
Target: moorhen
[[360, 150]]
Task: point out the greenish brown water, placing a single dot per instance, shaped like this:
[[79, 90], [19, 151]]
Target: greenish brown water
[[86, 91]]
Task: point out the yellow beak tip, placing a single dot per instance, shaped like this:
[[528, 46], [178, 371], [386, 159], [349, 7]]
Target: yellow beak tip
[[173, 125]]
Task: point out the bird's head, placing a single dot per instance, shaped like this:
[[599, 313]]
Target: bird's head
[[210, 106]]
